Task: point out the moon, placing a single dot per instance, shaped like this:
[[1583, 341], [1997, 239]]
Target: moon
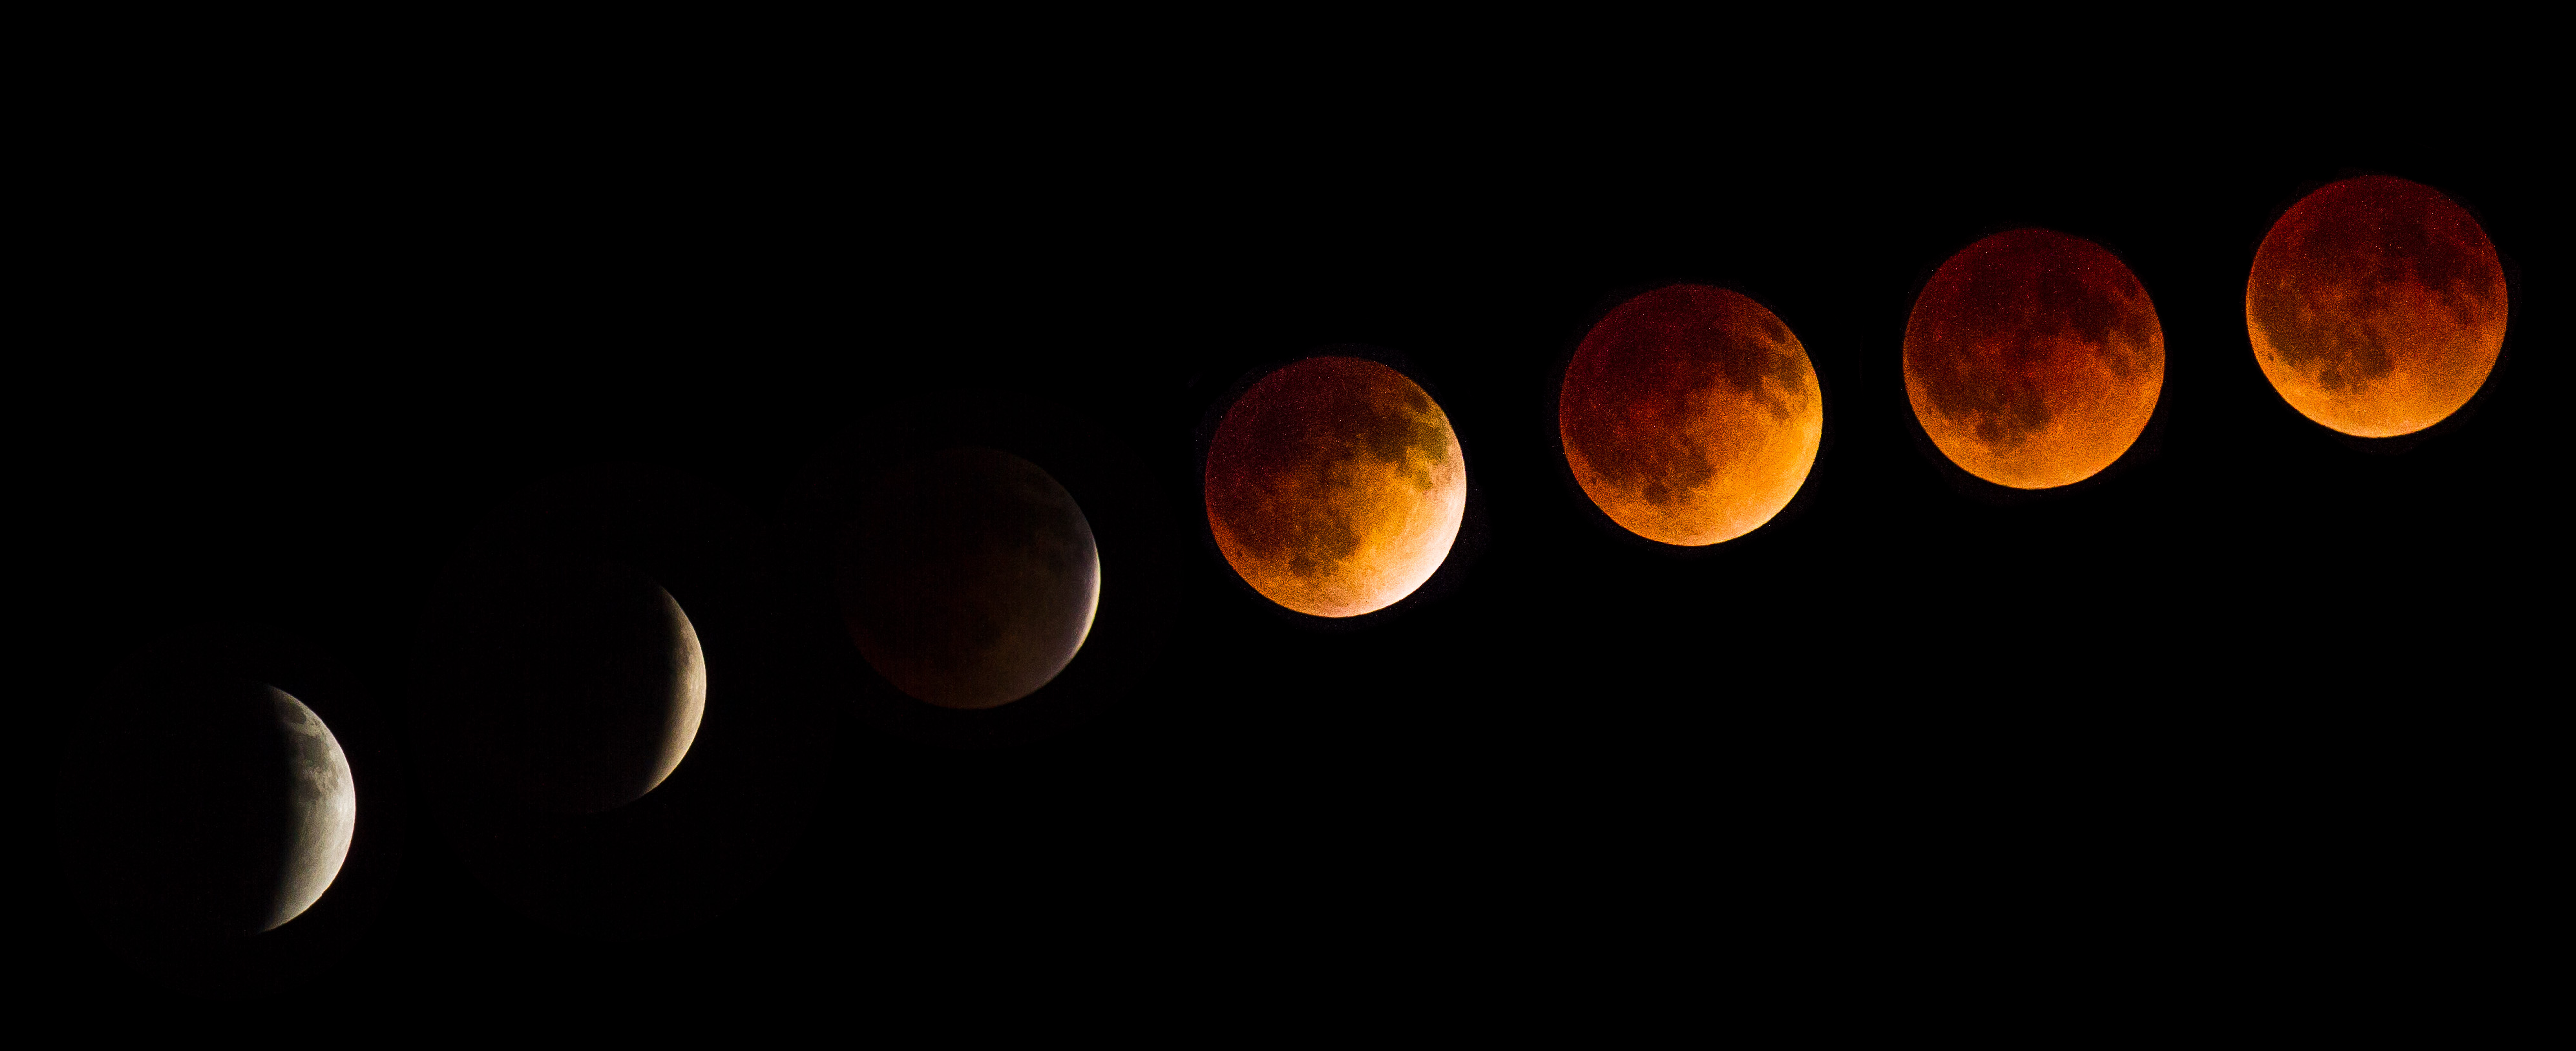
[[2376, 306], [970, 578], [569, 683], [1335, 486], [206, 804], [2033, 359], [322, 812], [688, 695], [1691, 415]]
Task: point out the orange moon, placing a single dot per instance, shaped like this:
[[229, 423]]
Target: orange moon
[[1335, 486], [2033, 359], [2376, 306], [1691, 415]]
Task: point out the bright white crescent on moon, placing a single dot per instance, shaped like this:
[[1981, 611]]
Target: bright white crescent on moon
[[689, 700], [324, 809]]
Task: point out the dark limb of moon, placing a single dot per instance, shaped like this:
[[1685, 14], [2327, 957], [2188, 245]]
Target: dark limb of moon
[[969, 578], [568, 683], [209, 807]]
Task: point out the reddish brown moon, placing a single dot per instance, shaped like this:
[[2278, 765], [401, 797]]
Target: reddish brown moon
[[1691, 415], [2376, 306], [1335, 486], [2034, 359]]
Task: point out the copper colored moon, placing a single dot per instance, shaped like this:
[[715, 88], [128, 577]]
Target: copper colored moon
[[2033, 359], [1691, 415], [2376, 306], [1335, 486]]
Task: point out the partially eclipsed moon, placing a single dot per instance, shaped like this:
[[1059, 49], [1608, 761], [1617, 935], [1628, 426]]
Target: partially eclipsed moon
[[971, 578], [2376, 306], [2033, 359], [1691, 415], [688, 692], [1335, 486], [206, 804], [572, 684], [322, 809]]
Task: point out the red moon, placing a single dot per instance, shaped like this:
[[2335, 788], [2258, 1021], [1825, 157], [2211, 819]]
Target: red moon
[[2376, 306], [2033, 359], [1335, 486], [1691, 415]]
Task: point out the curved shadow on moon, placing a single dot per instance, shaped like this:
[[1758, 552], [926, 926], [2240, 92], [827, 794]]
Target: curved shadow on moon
[[1107, 616], [569, 682], [230, 815], [1335, 489], [1689, 415], [970, 577], [615, 725]]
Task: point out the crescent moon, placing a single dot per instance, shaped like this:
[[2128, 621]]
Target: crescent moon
[[688, 691], [323, 809]]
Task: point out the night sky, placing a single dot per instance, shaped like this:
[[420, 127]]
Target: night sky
[[2255, 678]]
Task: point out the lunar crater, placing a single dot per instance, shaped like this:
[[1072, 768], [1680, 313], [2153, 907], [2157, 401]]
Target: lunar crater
[[2033, 358], [2376, 306], [322, 814], [1690, 414], [1334, 486]]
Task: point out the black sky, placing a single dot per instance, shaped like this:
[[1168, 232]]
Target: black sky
[[2255, 671]]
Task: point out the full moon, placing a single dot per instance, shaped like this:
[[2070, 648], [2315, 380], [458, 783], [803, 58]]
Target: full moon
[[2033, 359], [322, 813], [1691, 415], [1335, 486], [2376, 306], [970, 578]]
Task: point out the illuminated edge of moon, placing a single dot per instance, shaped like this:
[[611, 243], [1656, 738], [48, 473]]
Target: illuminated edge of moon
[[1430, 550], [315, 849], [692, 669]]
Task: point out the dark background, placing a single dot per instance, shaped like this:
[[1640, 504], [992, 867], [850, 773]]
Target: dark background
[[2261, 686]]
